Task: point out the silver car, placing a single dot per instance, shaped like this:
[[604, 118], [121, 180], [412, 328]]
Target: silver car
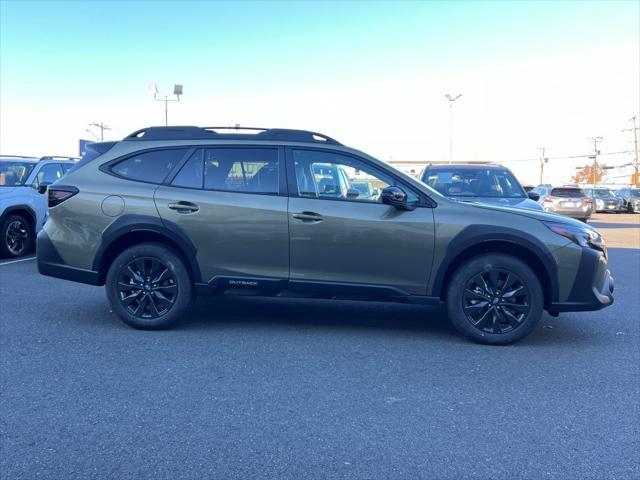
[[569, 201], [604, 200]]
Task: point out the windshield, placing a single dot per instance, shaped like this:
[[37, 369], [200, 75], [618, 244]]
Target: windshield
[[14, 174], [480, 182], [602, 192]]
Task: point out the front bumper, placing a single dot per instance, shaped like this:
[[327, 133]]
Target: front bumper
[[592, 288]]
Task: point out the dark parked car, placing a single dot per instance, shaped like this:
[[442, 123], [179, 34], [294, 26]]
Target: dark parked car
[[171, 212], [570, 201], [491, 184], [604, 200], [630, 199]]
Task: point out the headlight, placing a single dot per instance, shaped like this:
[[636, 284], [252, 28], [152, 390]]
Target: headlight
[[583, 236], [599, 203]]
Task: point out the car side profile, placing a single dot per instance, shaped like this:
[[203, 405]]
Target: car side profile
[[23, 200], [604, 200], [171, 212], [630, 199]]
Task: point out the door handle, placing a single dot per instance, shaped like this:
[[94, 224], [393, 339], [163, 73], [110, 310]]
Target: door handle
[[308, 216], [184, 207]]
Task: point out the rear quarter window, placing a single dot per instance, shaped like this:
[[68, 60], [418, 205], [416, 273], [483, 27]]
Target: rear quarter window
[[151, 167]]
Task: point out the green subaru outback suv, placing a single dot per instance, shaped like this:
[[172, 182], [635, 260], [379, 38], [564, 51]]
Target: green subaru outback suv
[[170, 212]]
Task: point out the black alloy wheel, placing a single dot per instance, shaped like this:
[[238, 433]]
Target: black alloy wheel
[[16, 236], [496, 301], [147, 288]]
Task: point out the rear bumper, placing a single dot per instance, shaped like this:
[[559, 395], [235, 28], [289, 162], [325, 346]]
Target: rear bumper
[[593, 287], [579, 214], [51, 264]]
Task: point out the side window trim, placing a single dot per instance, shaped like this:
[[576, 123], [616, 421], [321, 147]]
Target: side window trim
[[424, 200]]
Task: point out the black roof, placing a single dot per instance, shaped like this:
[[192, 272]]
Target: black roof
[[230, 133]]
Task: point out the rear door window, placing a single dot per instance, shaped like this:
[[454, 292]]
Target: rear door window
[[152, 166], [246, 170]]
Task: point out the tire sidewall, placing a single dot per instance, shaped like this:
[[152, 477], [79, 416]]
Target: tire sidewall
[[4, 248], [485, 263], [173, 261]]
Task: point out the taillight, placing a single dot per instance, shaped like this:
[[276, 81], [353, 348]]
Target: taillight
[[587, 200], [548, 200], [59, 194]]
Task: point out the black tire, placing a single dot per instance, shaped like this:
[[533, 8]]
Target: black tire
[[517, 313], [155, 292], [16, 236]]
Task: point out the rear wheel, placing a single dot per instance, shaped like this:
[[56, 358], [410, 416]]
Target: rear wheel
[[149, 287], [16, 236], [495, 299]]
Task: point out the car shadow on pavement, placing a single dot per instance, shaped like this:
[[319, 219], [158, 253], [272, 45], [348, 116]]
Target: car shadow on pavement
[[321, 314], [605, 225]]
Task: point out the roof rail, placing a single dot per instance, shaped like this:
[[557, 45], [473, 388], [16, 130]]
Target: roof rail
[[57, 157], [231, 133]]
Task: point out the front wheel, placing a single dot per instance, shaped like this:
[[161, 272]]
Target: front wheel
[[149, 287], [16, 236], [495, 299]]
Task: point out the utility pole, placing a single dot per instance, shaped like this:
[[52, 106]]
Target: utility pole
[[543, 160], [102, 128], [451, 100], [596, 152], [636, 167]]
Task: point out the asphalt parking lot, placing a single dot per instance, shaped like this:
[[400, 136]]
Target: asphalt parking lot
[[256, 388]]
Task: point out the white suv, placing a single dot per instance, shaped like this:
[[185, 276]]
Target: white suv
[[23, 200]]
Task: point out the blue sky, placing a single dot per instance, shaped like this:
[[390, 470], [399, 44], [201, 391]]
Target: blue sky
[[531, 72], [83, 46]]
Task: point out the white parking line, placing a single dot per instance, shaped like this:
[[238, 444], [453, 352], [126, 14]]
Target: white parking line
[[16, 261]]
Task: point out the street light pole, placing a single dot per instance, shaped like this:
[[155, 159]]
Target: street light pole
[[451, 100], [177, 91]]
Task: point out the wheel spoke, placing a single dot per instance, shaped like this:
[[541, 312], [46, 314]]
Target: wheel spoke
[[481, 321], [161, 296], [152, 304], [494, 277], [127, 299], [522, 308], [135, 275], [475, 306], [511, 318], [160, 277], [475, 294], [483, 284], [511, 293], [497, 324]]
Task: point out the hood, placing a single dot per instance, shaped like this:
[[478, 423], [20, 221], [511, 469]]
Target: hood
[[538, 215], [501, 201]]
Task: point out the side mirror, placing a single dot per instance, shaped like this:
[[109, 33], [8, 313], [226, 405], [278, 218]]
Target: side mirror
[[534, 196], [396, 197], [42, 187], [352, 193]]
